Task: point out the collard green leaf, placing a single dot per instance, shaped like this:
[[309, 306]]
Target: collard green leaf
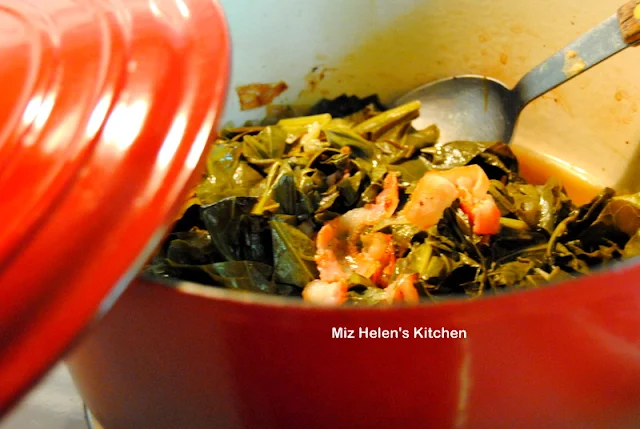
[[500, 195], [293, 255], [455, 228], [423, 138], [495, 158], [525, 201], [370, 193], [411, 170], [604, 253], [349, 189], [285, 192], [340, 161], [296, 127], [343, 137], [269, 190], [426, 261], [318, 161], [403, 235], [536, 253], [269, 144], [327, 201], [632, 248], [379, 124], [497, 161], [456, 153], [554, 204], [441, 271], [356, 280], [227, 175], [244, 275], [287, 290], [395, 136], [568, 259], [588, 213], [236, 234], [539, 207], [510, 274], [310, 180], [191, 248], [370, 296], [623, 212], [346, 105]]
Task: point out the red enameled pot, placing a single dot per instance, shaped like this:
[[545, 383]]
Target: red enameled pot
[[106, 108]]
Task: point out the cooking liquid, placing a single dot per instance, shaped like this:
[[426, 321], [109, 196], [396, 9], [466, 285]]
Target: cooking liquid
[[537, 169]]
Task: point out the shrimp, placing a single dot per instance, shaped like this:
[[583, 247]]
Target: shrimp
[[432, 195], [327, 244], [336, 240], [403, 289], [324, 292], [337, 254], [377, 259], [384, 207], [343, 249], [437, 190]]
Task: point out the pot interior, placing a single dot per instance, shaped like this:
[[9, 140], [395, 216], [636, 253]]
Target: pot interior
[[590, 125]]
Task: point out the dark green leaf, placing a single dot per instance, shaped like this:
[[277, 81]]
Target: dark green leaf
[[457, 153], [356, 280], [511, 274], [350, 189], [244, 275], [327, 201], [285, 192], [538, 206], [497, 161], [423, 138], [293, 255], [344, 137], [370, 296], [412, 170], [379, 124], [623, 212], [235, 233], [191, 248]]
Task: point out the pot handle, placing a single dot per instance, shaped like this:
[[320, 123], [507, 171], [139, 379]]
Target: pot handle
[[629, 20]]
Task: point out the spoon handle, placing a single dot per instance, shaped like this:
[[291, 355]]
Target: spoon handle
[[610, 37]]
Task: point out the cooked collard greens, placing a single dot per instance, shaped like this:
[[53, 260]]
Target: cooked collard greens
[[353, 205]]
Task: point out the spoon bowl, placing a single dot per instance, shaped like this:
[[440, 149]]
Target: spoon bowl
[[467, 107], [480, 108]]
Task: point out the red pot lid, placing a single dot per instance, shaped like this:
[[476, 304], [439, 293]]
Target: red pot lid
[[105, 110]]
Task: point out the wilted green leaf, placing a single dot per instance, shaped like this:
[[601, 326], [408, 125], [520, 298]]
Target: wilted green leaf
[[360, 147], [623, 212], [190, 248], [227, 175], [243, 275], [632, 248], [293, 255], [235, 233], [269, 144], [456, 153], [412, 170], [269, 190]]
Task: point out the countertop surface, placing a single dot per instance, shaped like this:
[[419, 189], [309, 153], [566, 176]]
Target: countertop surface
[[53, 404]]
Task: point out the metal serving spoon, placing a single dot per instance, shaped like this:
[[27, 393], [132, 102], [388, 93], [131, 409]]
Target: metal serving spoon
[[479, 108]]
